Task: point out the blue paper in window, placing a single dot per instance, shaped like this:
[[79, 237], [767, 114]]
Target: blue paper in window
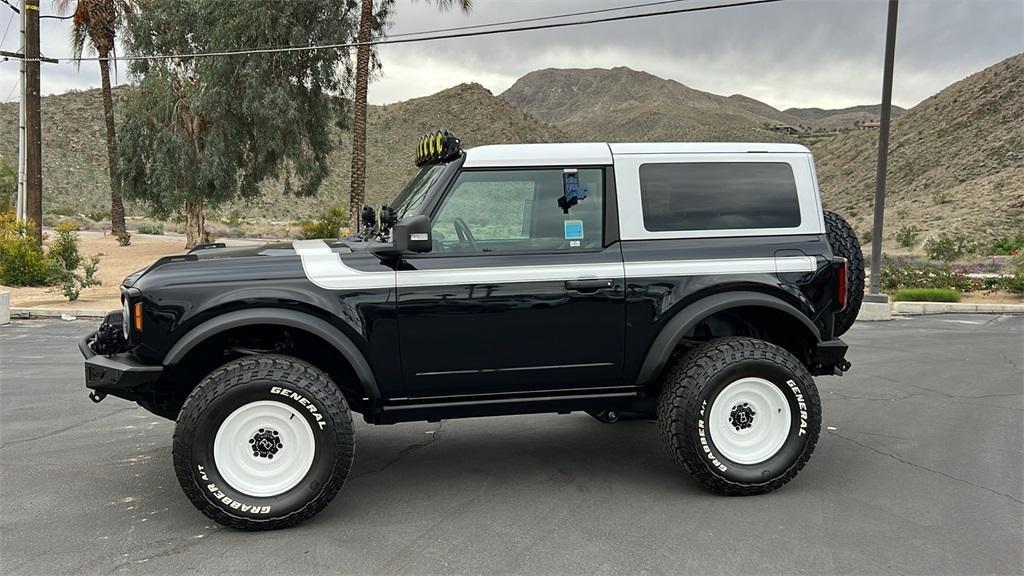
[[573, 229]]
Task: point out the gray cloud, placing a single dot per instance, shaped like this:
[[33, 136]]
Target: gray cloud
[[825, 53]]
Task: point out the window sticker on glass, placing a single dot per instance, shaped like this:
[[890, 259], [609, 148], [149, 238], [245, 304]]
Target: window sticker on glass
[[573, 229]]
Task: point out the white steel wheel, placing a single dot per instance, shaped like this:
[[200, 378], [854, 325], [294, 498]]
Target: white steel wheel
[[264, 448], [750, 420]]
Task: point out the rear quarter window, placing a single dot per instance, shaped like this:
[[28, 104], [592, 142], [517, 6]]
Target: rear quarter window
[[718, 196]]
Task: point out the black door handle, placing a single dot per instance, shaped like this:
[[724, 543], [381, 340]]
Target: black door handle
[[589, 285]]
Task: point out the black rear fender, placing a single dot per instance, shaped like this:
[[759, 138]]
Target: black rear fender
[[734, 313]]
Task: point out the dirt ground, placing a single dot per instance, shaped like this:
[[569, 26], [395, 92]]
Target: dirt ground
[[116, 262]]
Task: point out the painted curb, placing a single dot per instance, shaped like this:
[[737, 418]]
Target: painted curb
[[915, 308], [5, 307], [29, 313]]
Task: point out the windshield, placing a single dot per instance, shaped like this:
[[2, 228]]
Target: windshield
[[415, 192]]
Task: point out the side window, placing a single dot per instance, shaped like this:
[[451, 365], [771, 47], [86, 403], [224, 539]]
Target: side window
[[718, 196], [518, 211]]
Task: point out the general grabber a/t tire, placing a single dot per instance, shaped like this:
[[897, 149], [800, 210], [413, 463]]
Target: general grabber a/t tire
[[843, 241], [741, 415], [263, 442]]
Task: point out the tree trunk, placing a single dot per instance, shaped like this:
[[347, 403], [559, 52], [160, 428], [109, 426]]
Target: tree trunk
[[357, 194], [195, 223], [116, 205]]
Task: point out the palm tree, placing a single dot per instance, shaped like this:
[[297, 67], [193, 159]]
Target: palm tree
[[96, 22], [372, 22]]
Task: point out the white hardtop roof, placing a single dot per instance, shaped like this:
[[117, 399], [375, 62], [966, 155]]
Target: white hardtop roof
[[600, 153]]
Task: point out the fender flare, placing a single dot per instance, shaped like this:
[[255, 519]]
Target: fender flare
[[670, 335], [281, 317]]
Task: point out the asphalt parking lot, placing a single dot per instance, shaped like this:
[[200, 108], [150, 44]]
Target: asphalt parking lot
[[919, 472]]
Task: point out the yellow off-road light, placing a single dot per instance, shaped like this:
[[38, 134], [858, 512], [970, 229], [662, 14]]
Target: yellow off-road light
[[436, 147]]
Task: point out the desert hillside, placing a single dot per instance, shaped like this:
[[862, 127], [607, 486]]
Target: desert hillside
[[621, 104], [74, 153], [956, 160]]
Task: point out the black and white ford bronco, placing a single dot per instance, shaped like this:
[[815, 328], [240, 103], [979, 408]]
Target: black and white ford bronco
[[701, 285]]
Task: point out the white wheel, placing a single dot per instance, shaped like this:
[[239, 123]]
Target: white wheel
[[750, 420], [264, 448]]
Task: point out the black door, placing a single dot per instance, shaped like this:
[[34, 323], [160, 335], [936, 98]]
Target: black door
[[517, 295]]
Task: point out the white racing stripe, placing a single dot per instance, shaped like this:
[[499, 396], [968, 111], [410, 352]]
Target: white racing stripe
[[325, 268]]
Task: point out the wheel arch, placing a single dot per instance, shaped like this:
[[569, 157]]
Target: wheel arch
[[303, 321], [692, 315]]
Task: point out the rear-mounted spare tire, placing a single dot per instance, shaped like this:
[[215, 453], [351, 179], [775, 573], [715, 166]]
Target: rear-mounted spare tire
[[843, 240]]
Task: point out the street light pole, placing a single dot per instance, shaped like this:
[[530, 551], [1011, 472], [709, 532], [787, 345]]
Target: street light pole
[[883, 155]]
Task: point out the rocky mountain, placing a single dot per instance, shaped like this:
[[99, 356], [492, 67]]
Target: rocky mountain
[[956, 160], [621, 104]]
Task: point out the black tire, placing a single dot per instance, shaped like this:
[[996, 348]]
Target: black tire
[[281, 383], [693, 384], [843, 240]]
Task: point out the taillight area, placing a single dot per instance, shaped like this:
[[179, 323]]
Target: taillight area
[[841, 285]]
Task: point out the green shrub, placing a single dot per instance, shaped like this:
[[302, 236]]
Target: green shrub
[[100, 216], [1007, 245], [1014, 284], [948, 247], [8, 186], [155, 228], [22, 261], [895, 276], [907, 236], [64, 248], [927, 295], [330, 224]]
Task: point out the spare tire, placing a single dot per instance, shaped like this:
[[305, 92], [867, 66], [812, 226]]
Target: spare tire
[[844, 243]]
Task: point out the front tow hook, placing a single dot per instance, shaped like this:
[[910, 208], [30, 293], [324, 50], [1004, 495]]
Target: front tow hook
[[97, 397]]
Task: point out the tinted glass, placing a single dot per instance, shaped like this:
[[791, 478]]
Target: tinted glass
[[415, 191], [516, 211], [718, 196]]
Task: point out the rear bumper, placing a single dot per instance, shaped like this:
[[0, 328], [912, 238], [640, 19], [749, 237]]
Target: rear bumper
[[118, 374], [830, 358]]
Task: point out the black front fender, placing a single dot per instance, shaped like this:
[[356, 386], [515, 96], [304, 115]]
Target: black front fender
[[281, 317]]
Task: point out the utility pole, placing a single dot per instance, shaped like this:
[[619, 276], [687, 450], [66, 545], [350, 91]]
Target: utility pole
[[33, 124], [883, 157], [19, 210]]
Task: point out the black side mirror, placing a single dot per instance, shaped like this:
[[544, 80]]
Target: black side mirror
[[409, 235]]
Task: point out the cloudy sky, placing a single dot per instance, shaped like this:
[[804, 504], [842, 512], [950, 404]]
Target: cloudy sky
[[824, 53]]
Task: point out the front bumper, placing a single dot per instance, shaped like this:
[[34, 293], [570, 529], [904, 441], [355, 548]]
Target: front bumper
[[830, 358], [117, 374]]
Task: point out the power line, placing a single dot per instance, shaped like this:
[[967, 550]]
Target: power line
[[386, 41], [7, 29], [53, 16], [539, 18], [13, 88]]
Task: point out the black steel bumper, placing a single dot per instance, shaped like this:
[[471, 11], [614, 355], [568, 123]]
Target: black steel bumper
[[117, 374], [830, 358]]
